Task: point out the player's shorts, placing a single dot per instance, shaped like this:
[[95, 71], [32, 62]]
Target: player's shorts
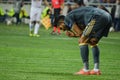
[[35, 14], [98, 26]]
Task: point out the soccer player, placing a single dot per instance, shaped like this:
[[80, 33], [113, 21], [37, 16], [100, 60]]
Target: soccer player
[[35, 14], [90, 24], [18, 4], [57, 6]]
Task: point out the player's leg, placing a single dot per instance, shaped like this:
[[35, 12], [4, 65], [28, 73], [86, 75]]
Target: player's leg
[[94, 37], [96, 52], [17, 18], [93, 41], [83, 42], [57, 18], [32, 21], [54, 23], [31, 28], [37, 24], [94, 34], [84, 52], [100, 29], [56, 15]]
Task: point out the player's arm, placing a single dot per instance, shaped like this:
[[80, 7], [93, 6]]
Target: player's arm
[[75, 31], [62, 4], [72, 34], [46, 3]]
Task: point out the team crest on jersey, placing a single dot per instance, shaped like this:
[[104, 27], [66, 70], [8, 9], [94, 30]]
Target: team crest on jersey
[[57, 2]]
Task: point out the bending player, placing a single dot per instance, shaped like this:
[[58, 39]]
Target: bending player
[[90, 24]]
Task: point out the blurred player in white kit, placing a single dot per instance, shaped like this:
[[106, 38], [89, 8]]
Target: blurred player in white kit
[[35, 13]]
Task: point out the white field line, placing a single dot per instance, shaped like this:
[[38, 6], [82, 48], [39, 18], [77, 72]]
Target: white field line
[[111, 42], [114, 38], [108, 42], [62, 38], [59, 38], [114, 43]]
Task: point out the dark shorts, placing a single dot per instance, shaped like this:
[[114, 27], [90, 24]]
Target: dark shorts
[[100, 28]]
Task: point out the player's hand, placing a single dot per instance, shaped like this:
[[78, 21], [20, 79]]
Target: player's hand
[[83, 39], [70, 34]]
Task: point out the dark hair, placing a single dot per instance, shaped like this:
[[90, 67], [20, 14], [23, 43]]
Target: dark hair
[[79, 2], [61, 18]]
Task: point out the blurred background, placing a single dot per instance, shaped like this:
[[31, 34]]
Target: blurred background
[[113, 7]]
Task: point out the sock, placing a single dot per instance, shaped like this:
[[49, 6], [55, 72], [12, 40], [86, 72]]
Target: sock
[[54, 29], [84, 54], [96, 66], [58, 30], [36, 28], [95, 51], [86, 66], [31, 25]]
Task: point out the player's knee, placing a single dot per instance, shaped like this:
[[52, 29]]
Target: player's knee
[[83, 40], [93, 41]]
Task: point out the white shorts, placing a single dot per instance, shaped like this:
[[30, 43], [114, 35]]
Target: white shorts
[[35, 14]]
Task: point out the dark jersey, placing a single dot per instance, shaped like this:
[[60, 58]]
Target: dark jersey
[[83, 15]]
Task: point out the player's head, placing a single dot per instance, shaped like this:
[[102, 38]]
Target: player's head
[[61, 23], [79, 2]]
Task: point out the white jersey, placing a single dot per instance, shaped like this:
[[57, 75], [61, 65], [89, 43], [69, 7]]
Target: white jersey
[[36, 3]]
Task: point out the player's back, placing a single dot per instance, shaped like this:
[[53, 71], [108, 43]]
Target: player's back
[[84, 14]]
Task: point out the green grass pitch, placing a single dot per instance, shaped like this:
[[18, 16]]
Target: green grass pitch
[[52, 57]]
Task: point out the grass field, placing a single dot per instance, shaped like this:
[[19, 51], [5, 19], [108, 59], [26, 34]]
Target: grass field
[[52, 57]]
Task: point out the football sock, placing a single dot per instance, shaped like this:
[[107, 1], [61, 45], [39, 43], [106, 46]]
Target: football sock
[[86, 66], [54, 28], [58, 30], [96, 66], [36, 28], [95, 51], [84, 54], [31, 25]]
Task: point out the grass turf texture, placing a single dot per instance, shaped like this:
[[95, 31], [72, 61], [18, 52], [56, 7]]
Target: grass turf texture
[[51, 57]]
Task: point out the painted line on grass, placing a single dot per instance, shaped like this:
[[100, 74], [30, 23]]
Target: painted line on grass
[[108, 42], [60, 38]]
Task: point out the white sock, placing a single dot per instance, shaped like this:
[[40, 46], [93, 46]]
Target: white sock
[[96, 67], [36, 28], [86, 70], [96, 70], [31, 25]]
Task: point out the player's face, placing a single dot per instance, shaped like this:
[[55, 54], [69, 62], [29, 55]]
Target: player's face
[[62, 26]]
